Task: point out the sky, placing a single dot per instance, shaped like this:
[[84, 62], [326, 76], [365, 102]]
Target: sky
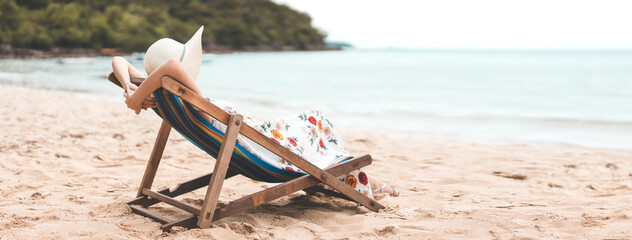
[[538, 24]]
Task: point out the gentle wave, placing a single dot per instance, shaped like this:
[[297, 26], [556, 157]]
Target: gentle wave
[[566, 97]]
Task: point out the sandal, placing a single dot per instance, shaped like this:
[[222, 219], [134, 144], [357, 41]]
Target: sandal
[[381, 190]]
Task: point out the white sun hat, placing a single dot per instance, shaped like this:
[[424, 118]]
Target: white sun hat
[[190, 53]]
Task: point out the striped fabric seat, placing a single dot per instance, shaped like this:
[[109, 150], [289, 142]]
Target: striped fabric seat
[[190, 124]]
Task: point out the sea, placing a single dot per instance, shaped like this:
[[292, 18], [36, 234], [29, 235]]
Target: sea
[[559, 97]]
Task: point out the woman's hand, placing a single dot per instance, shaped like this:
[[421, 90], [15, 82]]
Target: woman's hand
[[136, 104], [123, 70], [149, 102], [133, 102], [129, 89]]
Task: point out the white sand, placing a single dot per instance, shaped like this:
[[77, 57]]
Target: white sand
[[69, 164]]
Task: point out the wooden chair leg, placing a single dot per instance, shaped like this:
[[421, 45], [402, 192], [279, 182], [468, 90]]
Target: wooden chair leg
[[267, 195], [219, 172], [154, 158]]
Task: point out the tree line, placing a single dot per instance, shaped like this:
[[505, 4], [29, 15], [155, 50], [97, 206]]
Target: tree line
[[134, 25]]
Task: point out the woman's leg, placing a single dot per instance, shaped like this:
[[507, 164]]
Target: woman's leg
[[381, 187], [123, 70], [172, 68]]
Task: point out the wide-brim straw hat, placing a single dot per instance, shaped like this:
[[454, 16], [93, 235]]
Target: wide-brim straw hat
[[190, 53]]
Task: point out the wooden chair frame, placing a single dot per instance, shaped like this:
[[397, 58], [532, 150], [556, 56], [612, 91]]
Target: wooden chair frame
[[202, 217]]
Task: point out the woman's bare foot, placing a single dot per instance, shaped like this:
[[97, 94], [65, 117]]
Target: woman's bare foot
[[380, 187]]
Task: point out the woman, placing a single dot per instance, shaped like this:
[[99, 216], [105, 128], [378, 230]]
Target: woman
[[309, 134]]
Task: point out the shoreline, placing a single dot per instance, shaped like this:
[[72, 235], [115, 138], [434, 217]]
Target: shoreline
[[69, 166], [7, 52]]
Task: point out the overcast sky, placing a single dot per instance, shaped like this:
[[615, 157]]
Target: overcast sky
[[473, 23]]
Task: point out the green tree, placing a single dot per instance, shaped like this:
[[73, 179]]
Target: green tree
[[133, 25]]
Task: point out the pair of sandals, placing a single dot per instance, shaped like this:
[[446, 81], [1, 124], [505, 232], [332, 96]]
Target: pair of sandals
[[381, 190]]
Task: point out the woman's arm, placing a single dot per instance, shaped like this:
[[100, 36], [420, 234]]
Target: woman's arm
[[123, 70], [172, 68]]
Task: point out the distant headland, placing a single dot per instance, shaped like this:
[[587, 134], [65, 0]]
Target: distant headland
[[53, 28]]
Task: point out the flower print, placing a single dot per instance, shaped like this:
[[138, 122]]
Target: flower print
[[250, 121], [327, 130], [351, 181], [363, 179], [276, 134], [229, 109], [312, 133], [329, 123], [292, 141], [265, 126], [275, 141], [320, 143], [289, 169], [320, 126], [312, 120], [302, 116], [280, 125], [298, 152]]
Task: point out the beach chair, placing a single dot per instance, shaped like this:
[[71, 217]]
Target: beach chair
[[176, 105]]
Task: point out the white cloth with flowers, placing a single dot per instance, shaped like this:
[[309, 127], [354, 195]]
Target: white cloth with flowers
[[309, 135]]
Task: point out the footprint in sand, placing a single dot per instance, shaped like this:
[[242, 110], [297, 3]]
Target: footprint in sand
[[612, 166], [388, 230], [38, 195], [510, 175], [555, 185], [593, 221], [239, 228], [118, 136], [61, 155], [20, 222]]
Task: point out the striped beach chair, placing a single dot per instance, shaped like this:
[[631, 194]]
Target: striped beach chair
[[176, 106]]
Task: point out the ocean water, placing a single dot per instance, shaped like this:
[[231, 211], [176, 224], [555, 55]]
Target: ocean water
[[558, 97]]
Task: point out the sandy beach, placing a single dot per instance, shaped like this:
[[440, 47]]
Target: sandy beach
[[68, 164]]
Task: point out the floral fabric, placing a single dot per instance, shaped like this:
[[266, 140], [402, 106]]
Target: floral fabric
[[309, 135]]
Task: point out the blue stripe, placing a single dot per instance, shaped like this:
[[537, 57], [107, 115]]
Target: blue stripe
[[186, 120]]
